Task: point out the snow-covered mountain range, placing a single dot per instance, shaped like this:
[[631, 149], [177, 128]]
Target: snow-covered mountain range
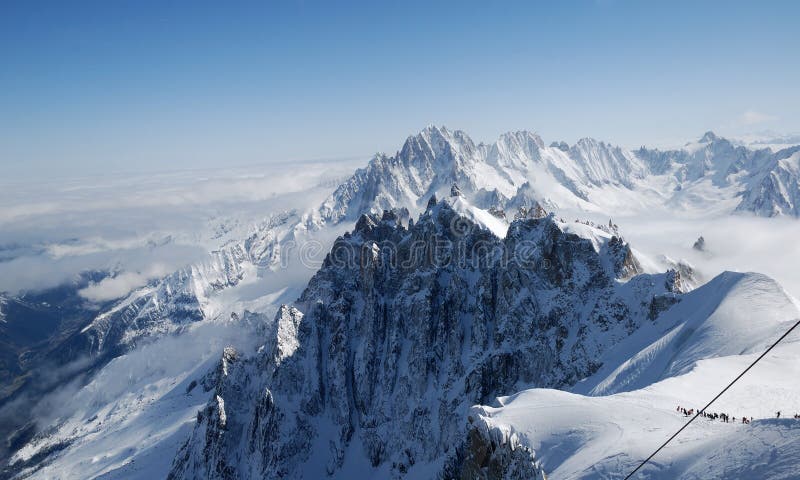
[[394, 356], [712, 173]]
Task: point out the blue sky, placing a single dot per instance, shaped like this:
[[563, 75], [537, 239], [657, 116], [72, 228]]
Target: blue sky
[[114, 86]]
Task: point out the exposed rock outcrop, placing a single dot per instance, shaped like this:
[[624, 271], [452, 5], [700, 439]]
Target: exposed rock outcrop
[[400, 332]]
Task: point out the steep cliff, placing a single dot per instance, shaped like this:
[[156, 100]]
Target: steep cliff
[[401, 331]]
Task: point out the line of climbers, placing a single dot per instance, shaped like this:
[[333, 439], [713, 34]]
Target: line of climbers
[[723, 416], [714, 416]]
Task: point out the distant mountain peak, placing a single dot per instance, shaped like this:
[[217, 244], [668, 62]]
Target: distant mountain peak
[[589, 141], [521, 136], [431, 128], [709, 137]]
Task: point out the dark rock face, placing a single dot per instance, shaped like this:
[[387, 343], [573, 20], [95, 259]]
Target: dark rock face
[[491, 454], [400, 332], [625, 264], [700, 244]]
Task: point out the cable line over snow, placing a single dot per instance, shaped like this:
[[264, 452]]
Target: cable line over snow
[[699, 412]]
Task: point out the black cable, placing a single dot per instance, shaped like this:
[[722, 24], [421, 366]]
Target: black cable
[[712, 401]]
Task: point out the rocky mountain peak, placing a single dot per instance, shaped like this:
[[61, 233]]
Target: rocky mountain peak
[[438, 146], [709, 137], [700, 244], [521, 138], [400, 332]]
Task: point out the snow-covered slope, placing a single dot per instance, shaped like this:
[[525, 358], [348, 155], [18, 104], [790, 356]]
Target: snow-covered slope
[[577, 437], [130, 419], [733, 314], [683, 359]]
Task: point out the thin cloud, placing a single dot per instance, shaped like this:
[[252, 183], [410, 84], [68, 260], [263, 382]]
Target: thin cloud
[[752, 117], [134, 267], [142, 227], [112, 288]]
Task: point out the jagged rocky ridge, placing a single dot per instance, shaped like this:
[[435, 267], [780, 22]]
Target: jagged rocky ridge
[[490, 175], [776, 191], [519, 168], [401, 331]]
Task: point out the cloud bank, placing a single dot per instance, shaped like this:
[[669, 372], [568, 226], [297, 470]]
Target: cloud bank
[[141, 227]]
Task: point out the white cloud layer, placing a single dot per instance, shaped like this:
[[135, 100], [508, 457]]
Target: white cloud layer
[[115, 287], [140, 227], [736, 243], [752, 117]]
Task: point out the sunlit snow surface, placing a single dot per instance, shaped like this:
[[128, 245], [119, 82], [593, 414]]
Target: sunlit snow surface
[[684, 359], [129, 421]]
